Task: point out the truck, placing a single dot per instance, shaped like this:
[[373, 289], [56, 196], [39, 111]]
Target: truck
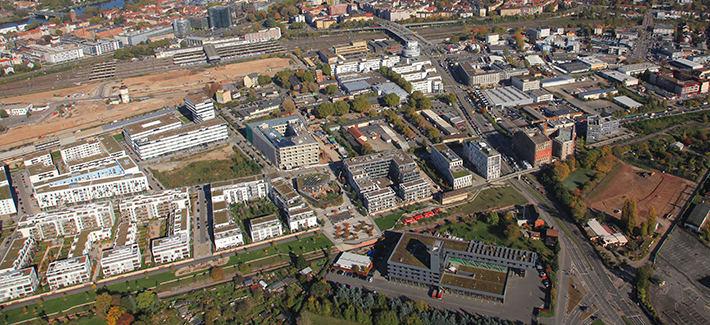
[[433, 293], [439, 295]]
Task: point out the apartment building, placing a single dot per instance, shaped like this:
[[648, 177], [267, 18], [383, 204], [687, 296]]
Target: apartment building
[[41, 157], [90, 190], [378, 172], [70, 271], [533, 146], [426, 260], [241, 189], [18, 283], [142, 208], [68, 221], [451, 165], [19, 255], [285, 141], [298, 214], [80, 150], [414, 191], [599, 127], [201, 107], [140, 130], [186, 137], [7, 202], [121, 259], [176, 245], [227, 231], [266, 227], [482, 156]]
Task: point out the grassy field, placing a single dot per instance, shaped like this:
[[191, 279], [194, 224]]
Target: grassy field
[[577, 178], [322, 320], [304, 245], [49, 307], [574, 296], [490, 198], [208, 171], [388, 222], [598, 322]]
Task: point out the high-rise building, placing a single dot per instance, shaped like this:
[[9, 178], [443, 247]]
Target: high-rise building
[[486, 159], [181, 26], [451, 165], [285, 141], [533, 146], [598, 126], [219, 17], [201, 107]]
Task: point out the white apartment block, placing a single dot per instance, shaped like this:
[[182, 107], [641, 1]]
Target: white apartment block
[[189, 136], [171, 248], [80, 150], [18, 283], [451, 165], [86, 191], [40, 172], [416, 190], [7, 203], [141, 208], [363, 64], [380, 200], [201, 107], [68, 221], [486, 159], [145, 129], [266, 227], [57, 54], [240, 189], [120, 260], [19, 255], [227, 232], [38, 158], [298, 214], [303, 218], [68, 272]]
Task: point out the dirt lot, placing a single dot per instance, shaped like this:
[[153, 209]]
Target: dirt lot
[[223, 153], [89, 111], [666, 193]]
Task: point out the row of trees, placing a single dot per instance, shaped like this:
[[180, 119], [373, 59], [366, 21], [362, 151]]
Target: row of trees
[[396, 78], [128, 309]]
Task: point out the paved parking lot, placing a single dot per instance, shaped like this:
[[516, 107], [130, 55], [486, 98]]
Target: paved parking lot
[[523, 295], [682, 263]]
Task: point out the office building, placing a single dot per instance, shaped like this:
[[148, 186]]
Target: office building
[[201, 107], [473, 75], [55, 54], [186, 137], [181, 27], [67, 221], [241, 189], [599, 127], [263, 228], [18, 283], [454, 265], [136, 131], [7, 201], [70, 271], [219, 17], [533, 146], [119, 260], [451, 166], [285, 141], [142, 208], [563, 143], [525, 83], [136, 37], [482, 156]]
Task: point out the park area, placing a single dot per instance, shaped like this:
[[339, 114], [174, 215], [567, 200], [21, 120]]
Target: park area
[[496, 197], [666, 193], [578, 178]]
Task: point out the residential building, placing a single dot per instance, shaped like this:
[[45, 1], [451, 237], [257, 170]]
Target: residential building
[[263, 35], [451, 166], [533, 146], [219, 17], [414, 191], [298, 215], [19, 255], [227, 232], [285, 141], [186, 137], [142, 208], [201, 107], [450, 264], [241, 189], [80, 150], [395, 14], [18, 283], [56, 54], [251, 80], [67, 221], [58, 193], [663, 29], [70, 271], [482, 156], [7, 200], [598, 127], [563, 143], [41, 157], [119, 260], [266, 227], [171, 248]]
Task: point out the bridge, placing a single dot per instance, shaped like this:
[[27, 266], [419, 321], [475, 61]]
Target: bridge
[[45, 14], [404, 33], [514, 175]]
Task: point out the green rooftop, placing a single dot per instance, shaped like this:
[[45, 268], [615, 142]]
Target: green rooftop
[[471, 283]]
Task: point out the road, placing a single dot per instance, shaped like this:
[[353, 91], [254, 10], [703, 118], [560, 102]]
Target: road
[[642, 44], [610, 294], [201, 237]]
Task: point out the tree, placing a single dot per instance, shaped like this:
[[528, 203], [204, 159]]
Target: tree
[[324, 110], [331, 89], [96, 20], [289, 105], [492, 218], [560, 171], [3, 113], [391, 100], [129, 303], [360, 105], [183, 44], [217, 273], [301, 262], [421, 305], [629, 214], [342, 107], [211, 89], [313, 87], [210, 316], [651, 221], [102, 303], [114, 314], [264, 80], [125, 319], [145, 300], [387, 317]]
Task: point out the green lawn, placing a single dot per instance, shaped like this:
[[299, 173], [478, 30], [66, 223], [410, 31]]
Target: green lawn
[[577, 178], [322, 320], [600, 322], [304, 245], [209, 171], [49, 307], [119, 137], [387, 222], [142, 283], [490, 198]]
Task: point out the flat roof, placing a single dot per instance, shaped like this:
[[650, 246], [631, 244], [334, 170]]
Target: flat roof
[[110, 143], [472, 283], [349, 260], [151, 124], [12, 252], [197, 98], [626, 101], [236, 181], [698, 215], [184, 129]]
